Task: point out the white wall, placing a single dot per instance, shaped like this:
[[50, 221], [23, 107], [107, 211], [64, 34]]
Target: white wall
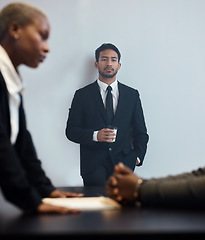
[[163, 55]]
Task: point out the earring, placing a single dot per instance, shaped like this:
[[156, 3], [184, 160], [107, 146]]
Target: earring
[[16, 36]]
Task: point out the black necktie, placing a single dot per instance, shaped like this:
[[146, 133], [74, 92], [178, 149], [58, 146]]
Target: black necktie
[[109, 105]]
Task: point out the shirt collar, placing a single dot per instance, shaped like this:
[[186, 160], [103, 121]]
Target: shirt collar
[[103, 85], [12, 78]]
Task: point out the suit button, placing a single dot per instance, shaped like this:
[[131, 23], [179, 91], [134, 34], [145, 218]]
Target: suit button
[[110, 149]]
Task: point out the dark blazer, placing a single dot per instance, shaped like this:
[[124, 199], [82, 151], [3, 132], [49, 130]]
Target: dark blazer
[[22, 180], [182, 190], [87, 114]]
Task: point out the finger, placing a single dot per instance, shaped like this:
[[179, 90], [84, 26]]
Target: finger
[[119, 198], [108, 139], [62, 194], [111, 188], [121, 168], [109, 131], [68, 194], [64, 210], [112, 192], [74, 211], [116, 191], [113, 180], [49, 208]]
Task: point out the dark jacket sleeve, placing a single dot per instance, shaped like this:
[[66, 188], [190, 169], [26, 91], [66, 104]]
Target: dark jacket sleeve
[[22, 180], [74, 127], [183, 190], [14, 179], [36, 174], [139, 136]]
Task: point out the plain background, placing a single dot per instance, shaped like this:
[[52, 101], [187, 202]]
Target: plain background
[[162, 43]]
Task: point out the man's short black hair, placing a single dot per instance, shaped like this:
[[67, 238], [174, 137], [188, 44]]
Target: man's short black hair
[[105, 46]]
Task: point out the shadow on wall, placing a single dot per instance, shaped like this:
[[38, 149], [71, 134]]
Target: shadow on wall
[[91, 73]]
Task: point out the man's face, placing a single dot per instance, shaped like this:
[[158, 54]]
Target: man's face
[[107, 64]]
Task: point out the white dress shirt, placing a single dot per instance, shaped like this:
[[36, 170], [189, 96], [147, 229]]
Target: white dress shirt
[[115, 92], [14, 86]]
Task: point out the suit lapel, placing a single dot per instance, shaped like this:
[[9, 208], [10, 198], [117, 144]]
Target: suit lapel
[[120, 107], [98, 100], [4, 105], [101, 108]]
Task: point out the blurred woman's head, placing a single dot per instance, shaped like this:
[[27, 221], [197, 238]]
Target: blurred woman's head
[[24, 31]]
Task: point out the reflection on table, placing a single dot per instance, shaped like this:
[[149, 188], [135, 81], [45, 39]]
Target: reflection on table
[[125, 221]]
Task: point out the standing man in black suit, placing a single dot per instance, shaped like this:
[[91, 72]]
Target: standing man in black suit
[[91, 125], [24, 31]]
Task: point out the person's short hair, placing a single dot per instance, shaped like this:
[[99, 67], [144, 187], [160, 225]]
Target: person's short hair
[[20, 12], [105, 46]]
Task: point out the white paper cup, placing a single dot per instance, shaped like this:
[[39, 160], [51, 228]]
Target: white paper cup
[[115, 131]]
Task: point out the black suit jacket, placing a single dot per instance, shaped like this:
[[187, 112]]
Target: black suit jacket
[[87, 114], [22, 179]]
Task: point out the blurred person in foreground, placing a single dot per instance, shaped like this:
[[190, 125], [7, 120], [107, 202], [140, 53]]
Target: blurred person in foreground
[[24, 31], [186, 190]]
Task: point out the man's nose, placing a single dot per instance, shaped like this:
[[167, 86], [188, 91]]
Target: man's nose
[[109, 62]]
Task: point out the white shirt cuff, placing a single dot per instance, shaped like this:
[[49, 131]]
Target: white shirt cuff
[[95, 136], [138, 161]]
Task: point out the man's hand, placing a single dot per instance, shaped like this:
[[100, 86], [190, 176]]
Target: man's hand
[[106, 135], [122, 184]]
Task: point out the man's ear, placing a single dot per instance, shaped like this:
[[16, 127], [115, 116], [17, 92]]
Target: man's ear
[[96, 64], [119, 66]]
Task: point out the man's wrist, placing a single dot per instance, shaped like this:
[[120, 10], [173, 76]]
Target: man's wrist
[[95, 136], [137, 193]]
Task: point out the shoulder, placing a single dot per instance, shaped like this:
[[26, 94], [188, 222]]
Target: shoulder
[[87, 88], [86, 91], [127, 89]]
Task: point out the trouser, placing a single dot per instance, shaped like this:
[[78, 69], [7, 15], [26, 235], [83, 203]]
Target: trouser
[[99, 176]]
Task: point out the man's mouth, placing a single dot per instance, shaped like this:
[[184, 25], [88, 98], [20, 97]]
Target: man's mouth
[[109, 69]]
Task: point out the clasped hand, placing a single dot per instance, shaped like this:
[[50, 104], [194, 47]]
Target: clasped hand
[[122, 184]]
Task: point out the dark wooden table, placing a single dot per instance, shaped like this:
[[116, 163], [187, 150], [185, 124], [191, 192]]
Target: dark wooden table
[[128, 221]]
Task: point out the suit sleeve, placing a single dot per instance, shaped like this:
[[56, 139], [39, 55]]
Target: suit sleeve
[[30, 161], [22, 179], [139, 134], [184, 190], [35, 172], [74, 128], [13, 178]]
